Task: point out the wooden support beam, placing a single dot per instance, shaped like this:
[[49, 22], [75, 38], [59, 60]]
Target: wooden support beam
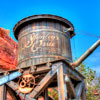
[[39, 69], [14, 86], [13, 94], [78, 90], [3, 92], [42, 69], [74, 74], [46, 97], [45, 81], [83, 94], [70, 87], [62, 89]]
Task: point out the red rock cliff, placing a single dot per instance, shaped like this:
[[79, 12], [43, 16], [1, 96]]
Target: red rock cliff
[[8, 51]]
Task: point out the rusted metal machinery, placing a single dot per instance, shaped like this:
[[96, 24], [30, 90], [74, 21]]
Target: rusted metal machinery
[[45, 60]]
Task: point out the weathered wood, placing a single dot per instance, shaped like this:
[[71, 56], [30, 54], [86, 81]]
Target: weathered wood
[[14, 86], [46, 94], [42, 68], [39, 69], [10, 77], [70, 87], [65, 86], [3, 92], [45, 81], [78, 90], [83, 94], [74, 74], [62, 89], [13, 94], [38, 42]]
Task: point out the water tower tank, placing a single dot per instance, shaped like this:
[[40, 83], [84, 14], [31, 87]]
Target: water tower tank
[[43, 38]]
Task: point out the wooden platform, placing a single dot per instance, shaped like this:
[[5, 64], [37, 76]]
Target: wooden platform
[[59, 74]]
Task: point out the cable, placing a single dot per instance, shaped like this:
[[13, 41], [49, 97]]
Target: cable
[[86, 33]]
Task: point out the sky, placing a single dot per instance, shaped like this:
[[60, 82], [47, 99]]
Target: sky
[[83, 14]]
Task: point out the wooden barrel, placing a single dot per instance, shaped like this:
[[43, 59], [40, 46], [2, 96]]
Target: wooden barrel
[[43, 38]]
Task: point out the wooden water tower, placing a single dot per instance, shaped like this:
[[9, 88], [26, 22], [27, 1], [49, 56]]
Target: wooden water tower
[[46, 39], [45, 60]]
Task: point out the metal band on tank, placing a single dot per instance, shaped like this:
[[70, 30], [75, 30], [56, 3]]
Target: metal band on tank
[[41, 30], [44, 56]]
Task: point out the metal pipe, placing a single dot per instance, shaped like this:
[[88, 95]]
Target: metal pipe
[[10, 77], [86, 54]]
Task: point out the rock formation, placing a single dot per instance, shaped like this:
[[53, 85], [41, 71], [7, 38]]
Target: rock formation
[[8, 51]]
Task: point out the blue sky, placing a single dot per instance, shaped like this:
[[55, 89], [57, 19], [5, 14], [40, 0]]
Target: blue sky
[[84, 15]]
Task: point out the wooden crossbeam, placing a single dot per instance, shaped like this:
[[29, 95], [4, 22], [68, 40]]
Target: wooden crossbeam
[[70, 87], [39, 69], [74, 74], [45, 81]]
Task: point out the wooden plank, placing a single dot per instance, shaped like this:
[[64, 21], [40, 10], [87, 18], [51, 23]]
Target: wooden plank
[[62, 88], [3, 92], [7, 78], [45, 81], [78, 90], [83, 94], [70, 87], [40, 69]]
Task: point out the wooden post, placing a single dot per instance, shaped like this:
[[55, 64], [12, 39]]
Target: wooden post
[[83, 95], [62, 89], [3, 92], [70, 87], [78, 90], [46, 94]]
